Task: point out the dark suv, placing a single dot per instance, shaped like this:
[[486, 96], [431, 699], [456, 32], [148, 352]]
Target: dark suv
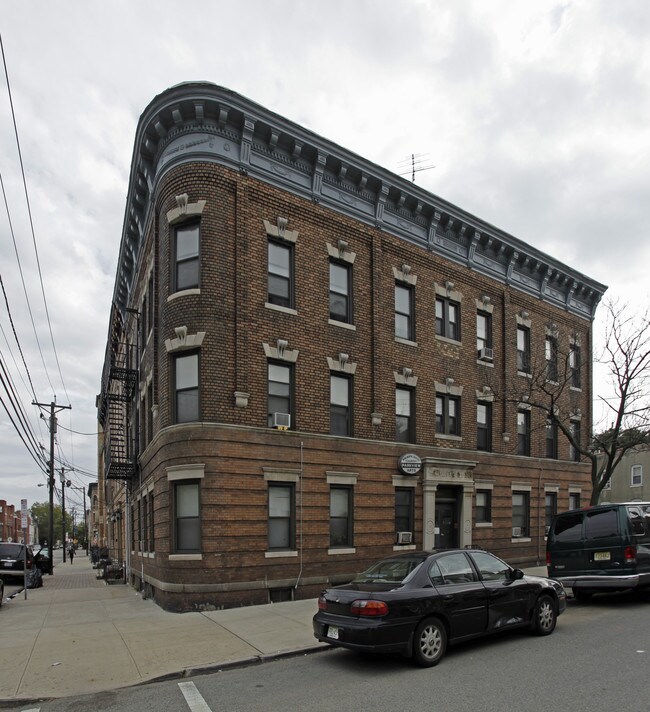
[[601, 549], [12, 559]]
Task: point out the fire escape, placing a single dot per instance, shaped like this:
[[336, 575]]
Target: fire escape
[[119, 383]]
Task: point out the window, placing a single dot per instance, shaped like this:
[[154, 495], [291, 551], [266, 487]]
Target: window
[[280, 378], [186, 263], [447, 414], [636, 475], [340, 406], [281, 516], [340, 293], [483, 333], [280, 285], [484, 426], [550, 510], [490, 568], [520, 514], [483, 506], [186, 385], [523, 349], [550, 353], [601, 525], [404, 507], [404, 415], [150, 305], [151, 524], [404, 308], [523, 432], [551, 439], [340, 516], [574, 452], [149, 414], [447, 318], [574, 500], [186, 517], [575, 379], [455, 568]]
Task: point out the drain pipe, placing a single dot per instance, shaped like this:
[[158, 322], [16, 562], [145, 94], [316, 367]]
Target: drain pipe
[[300, 506]]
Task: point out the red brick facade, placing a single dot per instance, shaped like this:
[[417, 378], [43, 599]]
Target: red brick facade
[[232, 453]]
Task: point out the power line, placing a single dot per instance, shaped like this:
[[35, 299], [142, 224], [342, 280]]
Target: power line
[[31, 224]]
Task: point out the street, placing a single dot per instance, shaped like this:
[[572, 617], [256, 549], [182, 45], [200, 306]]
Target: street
[[596, 660]]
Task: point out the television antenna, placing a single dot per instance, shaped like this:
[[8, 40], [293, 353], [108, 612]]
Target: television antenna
[[415, 163]]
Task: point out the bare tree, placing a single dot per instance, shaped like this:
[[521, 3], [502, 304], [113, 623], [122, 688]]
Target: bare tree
[[626, 355], [553, 386]]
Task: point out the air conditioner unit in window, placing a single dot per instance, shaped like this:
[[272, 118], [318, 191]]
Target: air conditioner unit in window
[[404, 537], [486, 354], [281, 421], [516, 531]]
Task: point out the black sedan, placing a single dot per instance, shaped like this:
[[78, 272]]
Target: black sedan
[[417, 603]]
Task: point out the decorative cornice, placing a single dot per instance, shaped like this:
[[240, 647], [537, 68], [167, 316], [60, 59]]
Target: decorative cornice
[[202, 121]]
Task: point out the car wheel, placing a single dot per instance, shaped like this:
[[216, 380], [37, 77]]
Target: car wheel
[[430, 642], [545, 616]]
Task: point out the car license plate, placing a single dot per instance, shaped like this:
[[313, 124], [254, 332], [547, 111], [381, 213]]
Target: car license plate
[[7, 564], [602, 556], [332, 632]]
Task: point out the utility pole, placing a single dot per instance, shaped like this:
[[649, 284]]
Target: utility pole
[[63, 510], [54, 408]]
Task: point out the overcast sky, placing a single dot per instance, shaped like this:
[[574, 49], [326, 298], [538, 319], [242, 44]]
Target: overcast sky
[[534, 114]]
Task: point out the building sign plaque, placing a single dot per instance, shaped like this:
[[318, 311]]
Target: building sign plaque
[[409, 463]]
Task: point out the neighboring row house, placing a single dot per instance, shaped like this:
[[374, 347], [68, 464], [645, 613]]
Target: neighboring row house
[[313, 363], [630, 480]]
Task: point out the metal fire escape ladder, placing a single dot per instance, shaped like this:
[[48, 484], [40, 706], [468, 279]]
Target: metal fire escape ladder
[[120, 455]]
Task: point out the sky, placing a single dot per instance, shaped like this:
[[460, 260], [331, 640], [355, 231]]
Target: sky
[[532, 115]]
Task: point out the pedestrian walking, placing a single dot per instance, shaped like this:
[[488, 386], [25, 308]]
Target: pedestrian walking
[[71, 552]]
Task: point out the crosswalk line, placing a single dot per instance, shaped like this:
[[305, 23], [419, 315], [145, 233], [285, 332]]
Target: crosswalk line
[[193, 697]]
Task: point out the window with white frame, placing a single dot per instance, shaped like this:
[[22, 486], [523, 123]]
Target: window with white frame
[[280, 274], [281, 521], [187, 520], [404, 312], [340, 516], [186, 257], [340, 292], [636, 479], [520, 515], [186, 388]]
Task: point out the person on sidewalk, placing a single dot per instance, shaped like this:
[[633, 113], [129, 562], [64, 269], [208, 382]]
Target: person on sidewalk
[[71, 552]]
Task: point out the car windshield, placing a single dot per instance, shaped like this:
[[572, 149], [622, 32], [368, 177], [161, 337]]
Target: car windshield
[[389, 571]]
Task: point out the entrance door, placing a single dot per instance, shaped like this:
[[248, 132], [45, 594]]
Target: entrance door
[[446, 525]]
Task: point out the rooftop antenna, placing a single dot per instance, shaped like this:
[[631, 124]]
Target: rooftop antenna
[[416, 162]]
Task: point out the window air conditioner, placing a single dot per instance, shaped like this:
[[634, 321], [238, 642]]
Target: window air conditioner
[[486, 354], [404, 537], [516, 531], [281, 421]]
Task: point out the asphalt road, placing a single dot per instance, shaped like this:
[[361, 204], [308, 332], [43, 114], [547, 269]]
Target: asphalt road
[[596, 661]]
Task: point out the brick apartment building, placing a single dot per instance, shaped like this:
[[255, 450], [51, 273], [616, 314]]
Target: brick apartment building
[[313, 363]]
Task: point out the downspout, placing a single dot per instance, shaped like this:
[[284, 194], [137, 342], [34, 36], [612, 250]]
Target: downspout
[[300, 507], [540, 525]]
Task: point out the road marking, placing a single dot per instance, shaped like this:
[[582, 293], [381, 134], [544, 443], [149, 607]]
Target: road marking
[[193, 697], [32, 709]]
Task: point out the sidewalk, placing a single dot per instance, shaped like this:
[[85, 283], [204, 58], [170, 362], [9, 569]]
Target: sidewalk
[[79, 635]]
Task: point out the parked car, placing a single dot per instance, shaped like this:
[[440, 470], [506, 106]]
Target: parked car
[[43, 561], [598, 549], [12, 559], [416, 603]]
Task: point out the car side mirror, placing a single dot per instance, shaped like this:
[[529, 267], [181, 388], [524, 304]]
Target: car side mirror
[[517, 574]]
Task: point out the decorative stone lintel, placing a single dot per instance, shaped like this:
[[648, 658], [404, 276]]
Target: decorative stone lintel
[[184, 209], [279, 230], [375, 418], [183, 340]]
